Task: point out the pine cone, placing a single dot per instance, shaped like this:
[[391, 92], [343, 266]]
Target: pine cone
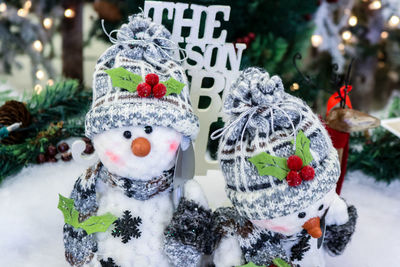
[[11, 112]]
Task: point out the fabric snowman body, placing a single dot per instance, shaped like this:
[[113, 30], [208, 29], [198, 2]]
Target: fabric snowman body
[[137, 137], [274, 215]]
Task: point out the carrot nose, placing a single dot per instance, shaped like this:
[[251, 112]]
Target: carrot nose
[[313, 227], [140, 147]]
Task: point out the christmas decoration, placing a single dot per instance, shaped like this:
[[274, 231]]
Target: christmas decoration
[[137, 140], [14, 112], [55, 114], [271, 218]]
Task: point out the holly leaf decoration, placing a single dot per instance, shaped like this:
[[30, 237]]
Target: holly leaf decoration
[[250, 264], [91, 225], [270, 165], [303, 148], [280, 263], [173, 86], [124, 79], [96, 224]]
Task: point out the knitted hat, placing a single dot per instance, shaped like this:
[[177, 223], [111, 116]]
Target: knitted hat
[[141, 47], [258, 140]]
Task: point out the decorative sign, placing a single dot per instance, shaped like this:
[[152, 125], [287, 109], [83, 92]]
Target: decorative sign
[[209, 57]]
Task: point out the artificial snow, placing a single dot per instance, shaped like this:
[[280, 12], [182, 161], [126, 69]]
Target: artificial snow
[[31, 225]]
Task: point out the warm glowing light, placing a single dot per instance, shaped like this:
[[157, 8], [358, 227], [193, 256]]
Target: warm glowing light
[[37, 45], [38, 88], [69, 13], [3, 7], [394, 21], [27, 5], [22, 12], [346, 35], [316, 40], [294, 87], [347, 11], [47, 23], [341, 46], [384, 35], [50, 82], [40, 74], [375, 5], [353, 20]]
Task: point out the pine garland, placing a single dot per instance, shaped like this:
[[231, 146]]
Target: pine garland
[[58, 113]]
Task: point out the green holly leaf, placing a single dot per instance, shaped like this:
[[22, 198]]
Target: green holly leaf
[[98, 223], [173, 86], [250, 264], [280, 263], [66, 205], [122, 78], [91, 225], [270, 165], [303, 148]]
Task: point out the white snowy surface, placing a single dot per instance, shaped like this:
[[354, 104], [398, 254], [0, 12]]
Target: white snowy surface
[[31, 224]]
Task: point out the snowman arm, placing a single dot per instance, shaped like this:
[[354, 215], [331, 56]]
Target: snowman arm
[[337, 236], [337, 213], [189, 235], [80, 247]]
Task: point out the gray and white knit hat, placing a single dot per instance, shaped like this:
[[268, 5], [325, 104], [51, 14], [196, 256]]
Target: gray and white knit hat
[[262, 118], [140, 47]]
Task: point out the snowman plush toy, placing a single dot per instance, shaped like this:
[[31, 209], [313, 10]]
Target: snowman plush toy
[[120, 212], [281, 170]]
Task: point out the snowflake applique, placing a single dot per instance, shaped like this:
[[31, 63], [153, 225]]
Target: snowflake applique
[[127, 227]]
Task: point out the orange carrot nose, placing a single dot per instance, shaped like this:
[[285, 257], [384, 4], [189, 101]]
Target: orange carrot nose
[[140, 147], [313, 227]]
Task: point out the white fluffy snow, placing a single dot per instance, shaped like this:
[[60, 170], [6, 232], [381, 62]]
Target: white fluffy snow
[[31, 224]]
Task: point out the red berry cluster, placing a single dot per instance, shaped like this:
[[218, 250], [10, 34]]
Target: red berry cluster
[[248, 39], [150, 85], [298, 173]]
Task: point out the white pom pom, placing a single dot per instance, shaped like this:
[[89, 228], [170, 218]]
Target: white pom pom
[[228, 253]]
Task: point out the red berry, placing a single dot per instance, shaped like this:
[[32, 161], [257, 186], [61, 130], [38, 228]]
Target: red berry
[[63, 147], [247, 40], [159, 90], [252, 36], [143, 90], [239, 40], [307, 173], [294, 163], [293, 178], [151, 79], [51, 150]]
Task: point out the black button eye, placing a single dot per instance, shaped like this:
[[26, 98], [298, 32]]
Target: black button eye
[[321, 207], [148, 129], [127, 134], [302, 215]]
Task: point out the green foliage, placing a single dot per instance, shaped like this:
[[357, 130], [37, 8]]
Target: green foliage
[[303, 148], [123, 78], [91, 225], [58, 112], [280, 263], [173, 86]]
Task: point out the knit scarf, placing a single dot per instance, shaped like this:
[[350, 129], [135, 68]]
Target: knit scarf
[[139, 189]]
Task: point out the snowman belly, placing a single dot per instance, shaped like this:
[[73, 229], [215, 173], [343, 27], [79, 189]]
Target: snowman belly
[[145, 250]]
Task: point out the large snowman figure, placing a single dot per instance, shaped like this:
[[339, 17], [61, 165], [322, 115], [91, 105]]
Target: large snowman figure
[[281, 171], [140, 117]]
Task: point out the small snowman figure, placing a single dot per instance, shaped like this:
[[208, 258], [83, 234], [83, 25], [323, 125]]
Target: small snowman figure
[[121, 212], [281, 170]]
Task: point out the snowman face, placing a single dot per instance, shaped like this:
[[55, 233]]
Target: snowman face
[[140, 152], [293, 223]]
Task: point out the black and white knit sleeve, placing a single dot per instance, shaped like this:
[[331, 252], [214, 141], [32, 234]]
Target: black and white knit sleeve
[[338, 236], [189, 234], [79, 246]]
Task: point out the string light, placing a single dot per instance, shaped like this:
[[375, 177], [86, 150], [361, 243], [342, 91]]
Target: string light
[[353, 20], [316, 40], [38, 88], [40, 74], [341, 47], [37, 45], [50, 82], [3, 7], [22, 12], [69, 13], [384, 35], [294, 87], [346, 35], [375, 5], [27, 5], [394, 21], [347, 11], [47, 23]]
